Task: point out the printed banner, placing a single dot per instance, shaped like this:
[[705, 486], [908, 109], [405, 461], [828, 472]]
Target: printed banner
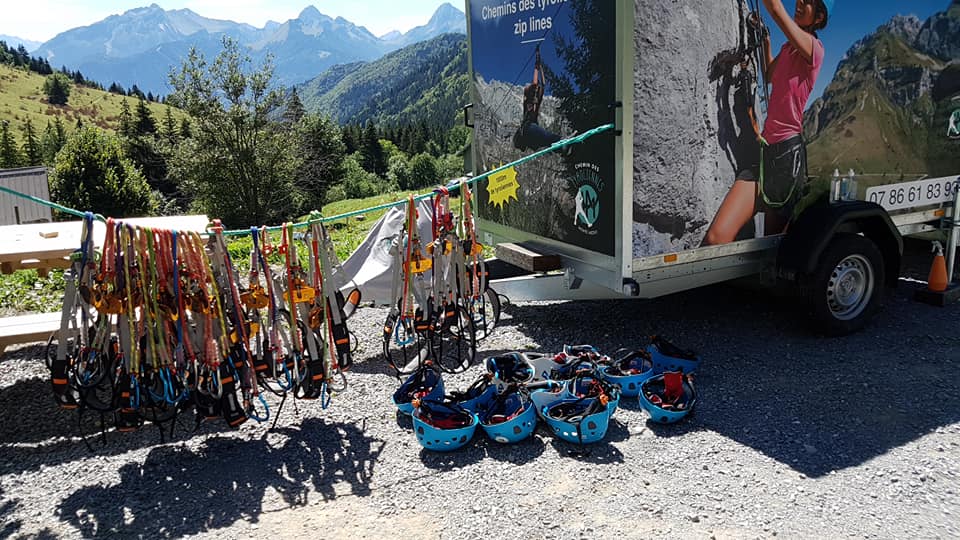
[[545, 70]]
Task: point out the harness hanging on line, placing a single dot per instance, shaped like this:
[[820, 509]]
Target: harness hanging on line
[[159, 322], [452, 329], [406, 344]]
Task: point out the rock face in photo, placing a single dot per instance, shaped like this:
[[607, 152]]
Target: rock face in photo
[[544, 203], [687, 120]]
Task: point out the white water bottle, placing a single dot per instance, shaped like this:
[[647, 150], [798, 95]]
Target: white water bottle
[[851, 186], [835, 187]]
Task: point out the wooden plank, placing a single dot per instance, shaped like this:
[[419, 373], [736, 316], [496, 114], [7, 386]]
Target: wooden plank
[[32, 246], [27, 328], [525, 256]]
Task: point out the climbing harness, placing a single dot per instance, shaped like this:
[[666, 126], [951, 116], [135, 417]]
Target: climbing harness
[[158, 322], [438, 295]]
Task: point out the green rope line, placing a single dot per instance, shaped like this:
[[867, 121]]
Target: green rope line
[[44, 202], [556, 146], [245, 232]]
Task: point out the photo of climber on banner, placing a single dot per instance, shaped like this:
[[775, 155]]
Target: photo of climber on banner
[[775, 183], [544, 72], [530, 136]]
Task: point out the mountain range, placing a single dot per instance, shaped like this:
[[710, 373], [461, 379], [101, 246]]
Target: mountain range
[[423, 82], [141, 45], [14, 41], [887, 108]]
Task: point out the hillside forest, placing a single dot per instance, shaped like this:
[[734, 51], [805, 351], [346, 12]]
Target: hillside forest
[[228, 141]]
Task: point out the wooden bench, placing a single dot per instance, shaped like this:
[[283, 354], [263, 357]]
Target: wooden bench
[[27, 328]]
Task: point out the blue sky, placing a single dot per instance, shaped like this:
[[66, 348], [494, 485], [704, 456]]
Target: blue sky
[[40, 20], [852, 20]]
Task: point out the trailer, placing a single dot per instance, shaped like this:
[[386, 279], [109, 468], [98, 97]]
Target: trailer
[[620, 216]]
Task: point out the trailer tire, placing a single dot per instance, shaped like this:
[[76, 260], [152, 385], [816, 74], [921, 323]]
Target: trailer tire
[[847, 288]]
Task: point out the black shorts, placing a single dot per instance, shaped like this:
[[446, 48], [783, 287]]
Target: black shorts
[[784, 176]]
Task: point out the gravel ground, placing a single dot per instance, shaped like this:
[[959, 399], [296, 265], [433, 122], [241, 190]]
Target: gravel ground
[[795, 436]]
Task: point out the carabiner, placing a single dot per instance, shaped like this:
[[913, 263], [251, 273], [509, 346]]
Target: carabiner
[[134, 393], [324, 392], [402, 335], [252, 412]]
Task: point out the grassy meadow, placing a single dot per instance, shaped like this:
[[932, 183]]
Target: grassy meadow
[[22, 98]]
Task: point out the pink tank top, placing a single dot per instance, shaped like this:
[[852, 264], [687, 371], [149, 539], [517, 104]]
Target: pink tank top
[[793, 82]]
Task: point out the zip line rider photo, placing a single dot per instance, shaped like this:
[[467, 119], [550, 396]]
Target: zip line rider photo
[[774, 182], [530, 136]]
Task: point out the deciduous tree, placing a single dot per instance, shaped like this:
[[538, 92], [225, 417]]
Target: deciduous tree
[[91, 173], [239, 166]]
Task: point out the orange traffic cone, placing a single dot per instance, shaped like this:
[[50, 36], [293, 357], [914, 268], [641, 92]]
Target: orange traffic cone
[[937, 282]]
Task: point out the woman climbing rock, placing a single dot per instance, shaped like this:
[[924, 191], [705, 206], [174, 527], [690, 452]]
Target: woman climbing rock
[[774, 183]]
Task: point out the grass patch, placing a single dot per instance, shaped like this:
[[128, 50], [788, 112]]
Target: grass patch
[[24, 291], [348, 233], [22, 98]]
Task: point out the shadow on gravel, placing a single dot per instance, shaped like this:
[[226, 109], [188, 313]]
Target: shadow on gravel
[[448, 461], [523, 452], [178, 491], [51, 437], [768, 382], [7, 507], [30, 414]]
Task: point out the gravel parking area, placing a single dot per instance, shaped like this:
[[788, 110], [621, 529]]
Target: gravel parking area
[[795, 436]]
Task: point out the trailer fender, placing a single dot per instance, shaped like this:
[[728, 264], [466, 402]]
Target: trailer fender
[[809, 235]]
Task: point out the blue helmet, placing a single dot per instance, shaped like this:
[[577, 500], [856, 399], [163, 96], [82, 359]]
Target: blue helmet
[[829, 5]]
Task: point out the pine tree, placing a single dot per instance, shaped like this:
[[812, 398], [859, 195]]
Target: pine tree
[[57, 89], [126, 119], [53, 139], [295, 109], [9, 153], [350, 139], [373, 159], [185, 129], [322, 152], [145, 124], [31, 145], [169, 130]]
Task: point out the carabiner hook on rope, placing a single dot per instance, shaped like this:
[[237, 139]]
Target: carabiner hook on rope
[[134, 393], [252, 412], [324, 403], [402, 335]]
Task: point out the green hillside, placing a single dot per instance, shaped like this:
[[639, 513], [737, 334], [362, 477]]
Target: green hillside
[[425, 82], [886, 110], [22, 98]]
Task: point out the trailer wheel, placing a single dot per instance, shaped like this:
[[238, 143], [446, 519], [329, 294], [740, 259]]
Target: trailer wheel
[[848, 285]]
